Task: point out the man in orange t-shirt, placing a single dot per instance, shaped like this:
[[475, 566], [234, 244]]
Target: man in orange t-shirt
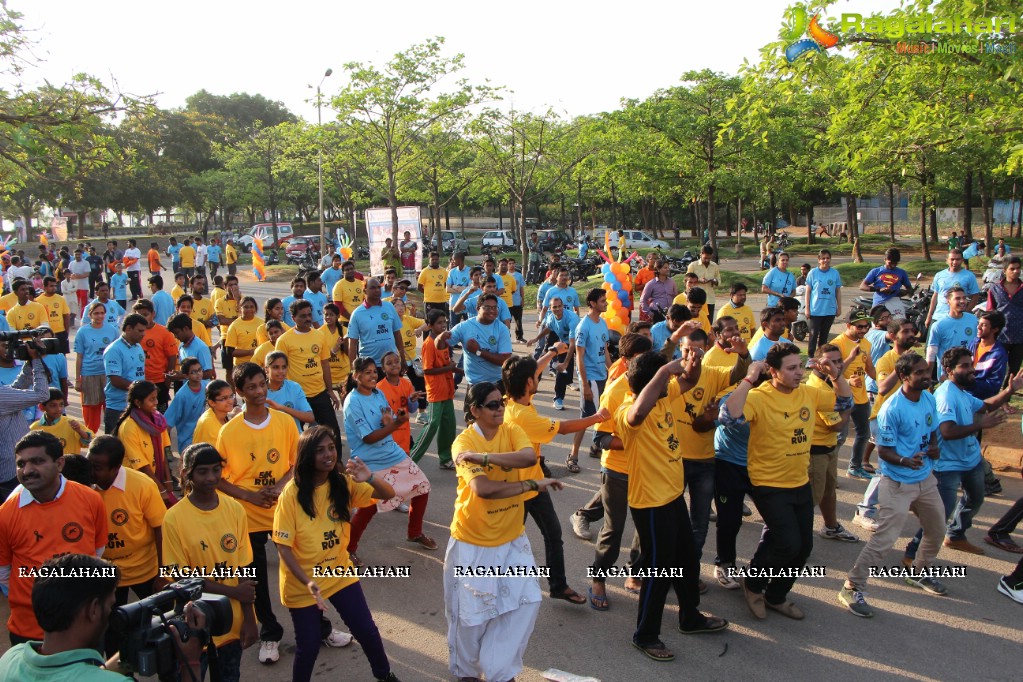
[[155, 266], [439, 375], [643, 277], [46, 516], [161, 350]]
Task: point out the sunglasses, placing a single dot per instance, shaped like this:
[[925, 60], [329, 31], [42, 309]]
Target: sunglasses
[[494, 405], [862, 326]]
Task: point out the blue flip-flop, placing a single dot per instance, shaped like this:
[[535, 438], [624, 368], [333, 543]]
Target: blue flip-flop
[[597, 603]]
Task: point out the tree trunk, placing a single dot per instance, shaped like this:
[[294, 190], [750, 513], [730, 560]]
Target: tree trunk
[[564, 219], [770, 220], [923, 223], [728, 221], [712, 227], [968, 201], [854, 228], [891, 210], [932, 210], [500, 217], [811, 238], [614, 202], [985, 203], [694, 209], [1019, 219]]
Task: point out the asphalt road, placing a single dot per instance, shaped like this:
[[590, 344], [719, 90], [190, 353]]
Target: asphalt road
[[970, 634]]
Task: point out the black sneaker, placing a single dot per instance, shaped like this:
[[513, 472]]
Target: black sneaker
[[391, 677]]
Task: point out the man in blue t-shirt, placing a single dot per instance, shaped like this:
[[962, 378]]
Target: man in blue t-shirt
[[945, 280], [961, 416], [592, 360], [173, 250], [213, 256], [772, 322], [486, 344], [562, 290], [959, 328], [822, 300], [777, 282], [190, 346], [375, 327], [888, 283], [315, 295], [457, 282], [558, 325], [469, 300], [124, 362], [907, 444], [332, 276]]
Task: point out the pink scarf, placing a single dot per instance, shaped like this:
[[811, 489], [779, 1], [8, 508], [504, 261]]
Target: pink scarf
[[155, 425]]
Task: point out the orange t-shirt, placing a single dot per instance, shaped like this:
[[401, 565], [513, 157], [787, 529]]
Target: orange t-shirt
[[643, 277], [397, 398], [439, 387], [154, 260], [161, 348], [73, 523]]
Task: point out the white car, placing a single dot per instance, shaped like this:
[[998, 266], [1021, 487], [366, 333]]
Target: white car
[[265, 232], [499, 239], [635, 239]]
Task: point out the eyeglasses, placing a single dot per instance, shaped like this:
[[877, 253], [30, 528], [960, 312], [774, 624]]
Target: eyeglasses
[[488, 307], [224, 398], [494, 405], [862, 326]]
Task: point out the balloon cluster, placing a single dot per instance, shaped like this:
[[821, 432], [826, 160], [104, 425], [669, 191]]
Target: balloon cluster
[[345, 244], [7, 242], [618, 285], [258, 265]]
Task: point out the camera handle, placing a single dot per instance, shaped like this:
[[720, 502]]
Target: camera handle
[[186, 631]]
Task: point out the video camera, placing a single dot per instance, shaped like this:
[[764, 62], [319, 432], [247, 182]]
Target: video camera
[[18, 342], [147, 644]]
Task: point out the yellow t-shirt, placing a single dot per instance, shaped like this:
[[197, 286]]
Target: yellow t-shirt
[[263, 337], [713, 382], [539, 430], [703, 317], [133, 511], [230, 255], [257, 456], [434, 282], [56, 306], [885, 367], [28, 316], [202, 310], [187, 257], [478, 521], [8, 301], [176, 292], [201, 331], [856, 372], [228, 308], [653, 452], [340, 365], [409, 325], [350, 293], [510, 285], [612, 398], [216, 539], [823, 436], [68, 437], [717, 357], [743, 315], [781, 430], [262, 350], [207, 429], [319, 542], [217, 294], [305, 353], [138, 445], [243, 334]]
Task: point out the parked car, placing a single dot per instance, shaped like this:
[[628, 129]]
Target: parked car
[[297, 246], [553, 239], [634, 239], [450, 241], [265, 232], [499, 239]]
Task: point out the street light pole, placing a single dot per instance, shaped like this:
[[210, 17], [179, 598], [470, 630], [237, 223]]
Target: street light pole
[[319, 160]]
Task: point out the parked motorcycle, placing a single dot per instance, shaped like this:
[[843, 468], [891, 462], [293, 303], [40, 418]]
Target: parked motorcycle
[[916, 303], [800, 328]]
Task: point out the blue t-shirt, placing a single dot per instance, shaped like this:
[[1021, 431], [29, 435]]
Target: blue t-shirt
[[173, 250], [374, 328], [824, 286], [758, 351], [127, 362], [472, 307], [119, 286], [884, 278], [950, 332], [906, 426], [114, 311], [776, 280], [290, 394], [457, 277], [362, 416], [4, 326], [520, 286], [731, 443], [879, 345], [90, 344], [330, 277], [213, 253], [957, 406], [184, 411], [318, 299], [592, 337], [163, 307], [57, 364], [288, 300], [493, 337], [659, 335], [8, 375], [568, 295], [945, 280], [583, 248], [565, 327], [542, 290], [197, 349]]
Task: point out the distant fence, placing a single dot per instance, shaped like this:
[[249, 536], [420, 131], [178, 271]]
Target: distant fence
[[948, 218]]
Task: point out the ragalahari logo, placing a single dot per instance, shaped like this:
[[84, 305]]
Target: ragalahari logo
[[794, 29]]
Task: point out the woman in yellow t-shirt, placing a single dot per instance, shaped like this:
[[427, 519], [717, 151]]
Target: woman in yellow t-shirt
[[272, 310], [143, 431], [490, 614], [317, 504], [220, 407], [243, 334]]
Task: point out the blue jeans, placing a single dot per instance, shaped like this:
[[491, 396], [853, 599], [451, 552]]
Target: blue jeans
[[860, 419], [868, 507], [699, 474], [959, 514]]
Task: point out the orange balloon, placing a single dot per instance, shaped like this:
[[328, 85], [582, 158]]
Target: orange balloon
[[625, 314], [616, 268]]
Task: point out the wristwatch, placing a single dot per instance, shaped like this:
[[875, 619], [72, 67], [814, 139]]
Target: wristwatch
[[479, 352]]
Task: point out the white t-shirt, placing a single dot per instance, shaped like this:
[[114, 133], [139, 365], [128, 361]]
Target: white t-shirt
[[137, 255], [80, 268], [200, 256]]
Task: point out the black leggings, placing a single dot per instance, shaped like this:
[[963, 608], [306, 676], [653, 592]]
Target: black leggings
[[820, 329]]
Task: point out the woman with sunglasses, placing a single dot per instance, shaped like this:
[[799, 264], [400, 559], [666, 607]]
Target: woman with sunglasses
[[490, 615], [220, 407], [369, 425]]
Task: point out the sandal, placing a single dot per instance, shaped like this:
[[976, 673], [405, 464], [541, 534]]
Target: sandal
[[657, 652], [569, 595], [447, 465], [598, 603], [424, 542], [572, 464], [631, 587], [869, 468]]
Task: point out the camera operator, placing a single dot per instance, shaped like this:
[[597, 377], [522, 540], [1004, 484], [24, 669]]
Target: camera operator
[[74, 613], [13, 425]]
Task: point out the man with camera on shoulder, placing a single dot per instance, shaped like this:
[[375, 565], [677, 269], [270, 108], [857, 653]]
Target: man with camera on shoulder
[[29, 389], [73, 603]]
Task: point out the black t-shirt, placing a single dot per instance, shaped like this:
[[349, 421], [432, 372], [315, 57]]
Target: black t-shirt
[[96, 263]]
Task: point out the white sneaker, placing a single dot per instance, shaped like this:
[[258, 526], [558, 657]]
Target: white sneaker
[[402, 508], [1013, 593], [421, 419], [268, 652], [865, 522], [581, 527], [337, 639], [724, 580]]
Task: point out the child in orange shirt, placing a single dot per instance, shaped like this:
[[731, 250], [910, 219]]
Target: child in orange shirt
[[400, 396], [439, 375]]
